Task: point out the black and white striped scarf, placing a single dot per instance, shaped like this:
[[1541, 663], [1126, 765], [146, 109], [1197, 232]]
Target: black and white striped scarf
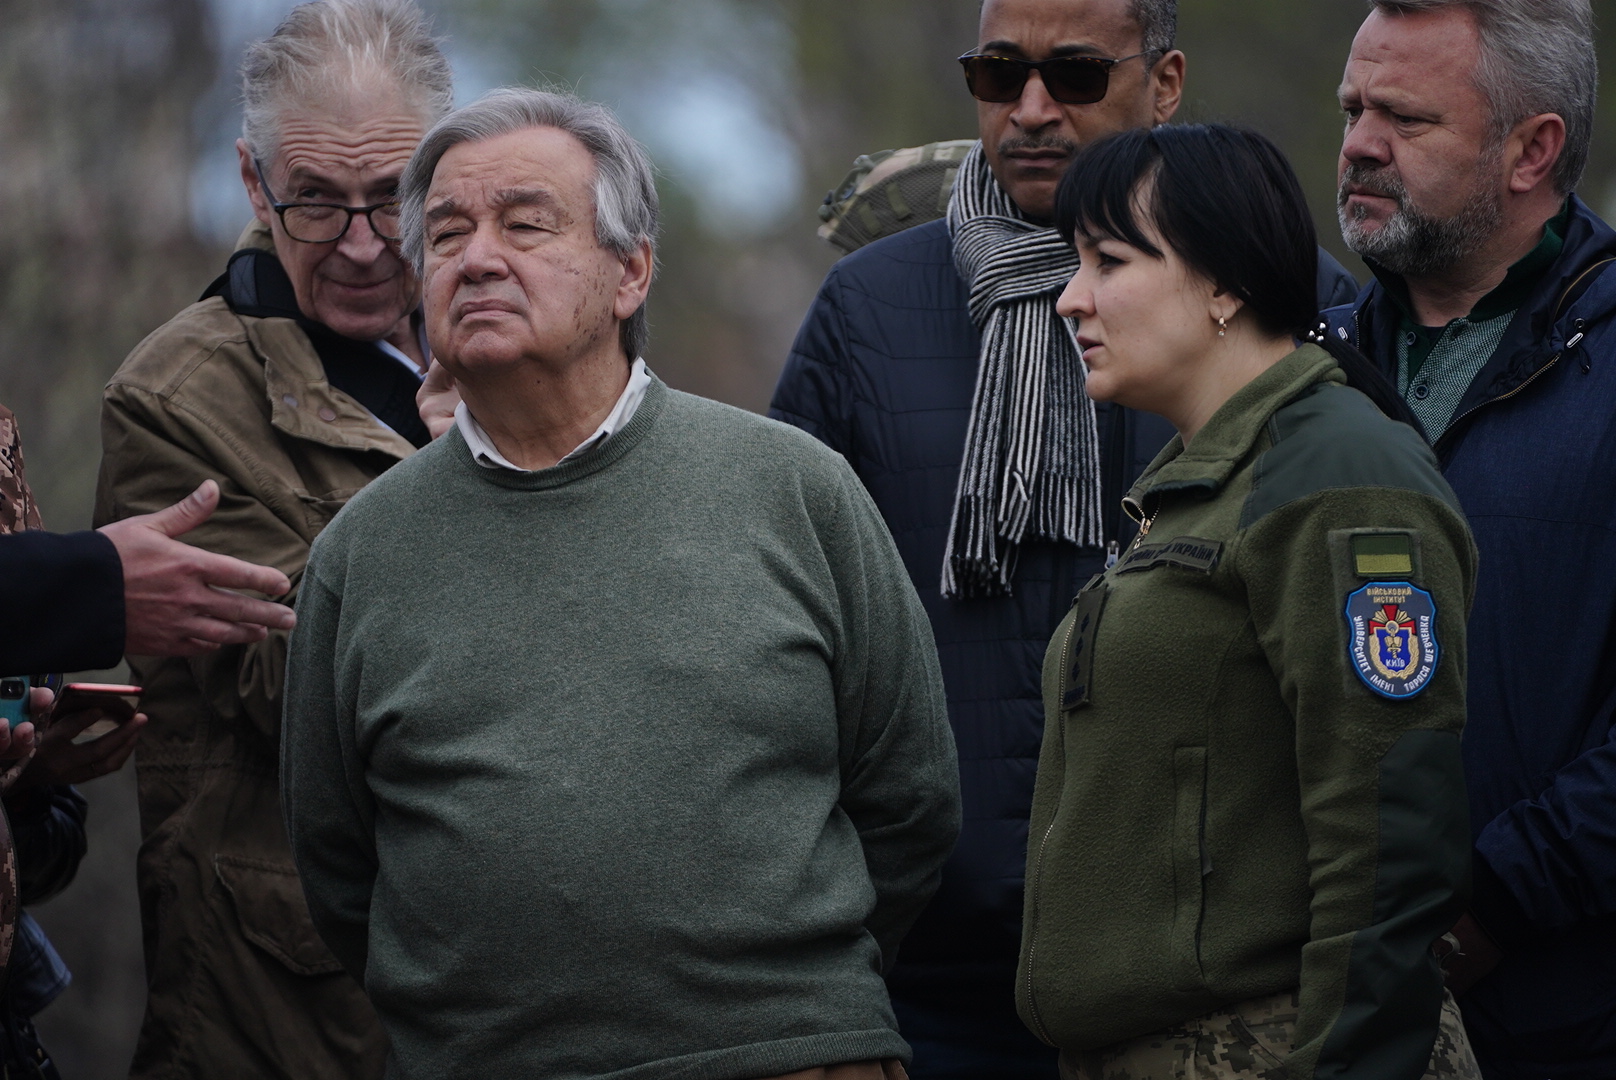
[[1032, 451]]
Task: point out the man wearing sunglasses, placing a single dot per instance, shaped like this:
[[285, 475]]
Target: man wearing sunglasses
[[934, 361], [291, 384]]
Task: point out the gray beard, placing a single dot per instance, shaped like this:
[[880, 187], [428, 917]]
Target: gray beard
[[1411, 243]]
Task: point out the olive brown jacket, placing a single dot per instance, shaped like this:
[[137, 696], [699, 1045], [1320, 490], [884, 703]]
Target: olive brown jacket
[[239, 982], [1250, 779]]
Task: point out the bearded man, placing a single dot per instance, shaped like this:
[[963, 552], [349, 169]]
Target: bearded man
[[1468, 123], [291, 384], [934, 361]]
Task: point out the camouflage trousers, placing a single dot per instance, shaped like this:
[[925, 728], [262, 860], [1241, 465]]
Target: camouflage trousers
[[1247, 1041]]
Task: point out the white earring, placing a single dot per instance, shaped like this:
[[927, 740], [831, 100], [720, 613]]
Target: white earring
[[1223, 326]]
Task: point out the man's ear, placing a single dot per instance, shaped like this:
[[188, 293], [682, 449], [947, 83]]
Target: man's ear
[[639, 267], [255, 190], [1167, 86], [1537, 143]]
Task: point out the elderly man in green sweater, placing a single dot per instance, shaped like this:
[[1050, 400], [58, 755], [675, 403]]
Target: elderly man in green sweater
[[615, 742]]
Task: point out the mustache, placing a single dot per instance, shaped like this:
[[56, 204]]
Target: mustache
[[1379, 180], [1037, 142]]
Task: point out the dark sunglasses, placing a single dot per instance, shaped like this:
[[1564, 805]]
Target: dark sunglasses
[[1071, 80]]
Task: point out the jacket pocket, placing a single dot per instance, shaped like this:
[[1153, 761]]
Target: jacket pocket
[[273, 914], [1191, 863]]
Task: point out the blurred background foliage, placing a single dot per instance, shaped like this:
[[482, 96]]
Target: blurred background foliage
[[120, 201]]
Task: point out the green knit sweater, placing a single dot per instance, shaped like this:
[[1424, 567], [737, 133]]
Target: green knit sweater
[[1250, 779], [635, 767]]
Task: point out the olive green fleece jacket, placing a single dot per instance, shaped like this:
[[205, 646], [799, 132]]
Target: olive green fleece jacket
[[1225, 808], [635, 767]]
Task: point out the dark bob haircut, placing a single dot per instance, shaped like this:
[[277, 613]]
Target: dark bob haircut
[[1229, 205]]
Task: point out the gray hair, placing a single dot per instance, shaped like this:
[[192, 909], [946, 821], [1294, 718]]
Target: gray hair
[[1537, 56], [626, 204], [1158, 24], [329, 45]]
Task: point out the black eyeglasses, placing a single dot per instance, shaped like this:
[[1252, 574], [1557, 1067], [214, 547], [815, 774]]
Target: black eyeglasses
[[1071, 80], [321, 223]]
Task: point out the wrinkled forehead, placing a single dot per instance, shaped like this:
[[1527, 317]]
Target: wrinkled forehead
[[1038, 29], [1429, 58], [540, 167], [348, 133]]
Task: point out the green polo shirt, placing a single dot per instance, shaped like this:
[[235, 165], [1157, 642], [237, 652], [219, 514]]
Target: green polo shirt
[[1437, 364]]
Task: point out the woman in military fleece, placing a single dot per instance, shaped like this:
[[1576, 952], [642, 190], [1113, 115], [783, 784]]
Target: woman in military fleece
[[1250, 825]]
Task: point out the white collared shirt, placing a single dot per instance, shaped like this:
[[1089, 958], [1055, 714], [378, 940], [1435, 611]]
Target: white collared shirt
[[628, 403], [402, 357], [418, 370]]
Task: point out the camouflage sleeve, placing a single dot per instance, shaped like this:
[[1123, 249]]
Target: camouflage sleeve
[[1359, 598], [154, 453], [18, 510]]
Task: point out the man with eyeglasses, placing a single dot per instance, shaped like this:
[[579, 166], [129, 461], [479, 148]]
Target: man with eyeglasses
[[935, 362], [292, 384]]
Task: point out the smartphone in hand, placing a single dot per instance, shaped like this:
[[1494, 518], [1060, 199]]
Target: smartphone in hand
[[117, 702], [14, 699]]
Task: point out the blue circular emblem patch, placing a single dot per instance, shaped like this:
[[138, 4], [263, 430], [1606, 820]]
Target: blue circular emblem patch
[[1391, 637]]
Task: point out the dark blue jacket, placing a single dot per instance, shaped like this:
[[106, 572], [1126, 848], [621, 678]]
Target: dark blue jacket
[[63, 599], [1532, 457], [883, 371]]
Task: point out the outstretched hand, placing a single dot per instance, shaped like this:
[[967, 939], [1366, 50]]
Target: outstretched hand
[[437, 399], [177, 598]]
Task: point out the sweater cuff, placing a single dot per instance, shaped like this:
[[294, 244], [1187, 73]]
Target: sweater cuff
[[62, 594], [106, 627], [1495, 908]]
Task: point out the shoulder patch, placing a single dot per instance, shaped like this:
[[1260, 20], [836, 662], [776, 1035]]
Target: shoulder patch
[[1391, 637], [1381, 554]]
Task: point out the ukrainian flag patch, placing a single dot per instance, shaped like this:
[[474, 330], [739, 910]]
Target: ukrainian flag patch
[[1382, 554]]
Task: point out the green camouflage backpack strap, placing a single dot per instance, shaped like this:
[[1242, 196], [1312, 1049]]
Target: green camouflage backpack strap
[[892, 191]]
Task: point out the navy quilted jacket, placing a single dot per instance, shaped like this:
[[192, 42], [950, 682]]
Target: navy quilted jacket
[[883, 371], [1532, 458]]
